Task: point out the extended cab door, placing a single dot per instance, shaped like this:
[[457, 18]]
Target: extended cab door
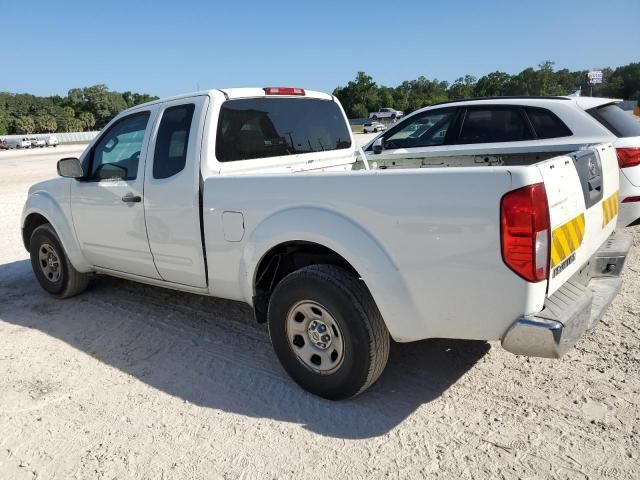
[[107, 205], [172, 191]]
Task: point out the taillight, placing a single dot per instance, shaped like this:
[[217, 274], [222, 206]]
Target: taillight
[[525, 232], [283, 91], [628, 157], [631, 200]]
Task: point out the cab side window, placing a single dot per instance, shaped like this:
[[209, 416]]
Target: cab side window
[[170, 156], [117, 153]]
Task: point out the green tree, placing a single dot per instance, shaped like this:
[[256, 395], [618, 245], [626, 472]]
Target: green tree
[[73, 125], [462, 87], [65, 117], [87, 119], [492, 85], [359, 111], [25, 125], [46, 123]]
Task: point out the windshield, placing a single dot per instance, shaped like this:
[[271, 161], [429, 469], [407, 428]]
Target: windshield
[[270, 127], [616, 120]]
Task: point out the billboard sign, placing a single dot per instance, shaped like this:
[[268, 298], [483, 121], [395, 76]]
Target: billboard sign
[[595, 77]]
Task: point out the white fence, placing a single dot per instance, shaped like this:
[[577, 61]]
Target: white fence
[[72, 137]]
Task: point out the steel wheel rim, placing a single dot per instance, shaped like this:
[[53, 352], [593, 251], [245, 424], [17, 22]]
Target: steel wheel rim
[[49, 262], [315, 337]]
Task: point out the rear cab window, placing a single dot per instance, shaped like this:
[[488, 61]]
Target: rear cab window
[[616, 120], [170, 155], [254, 128]]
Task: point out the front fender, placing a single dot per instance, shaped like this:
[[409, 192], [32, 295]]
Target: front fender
[[58, 214], [348, 239]]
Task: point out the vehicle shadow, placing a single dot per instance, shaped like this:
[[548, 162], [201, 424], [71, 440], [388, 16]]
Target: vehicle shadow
[[210, 352]]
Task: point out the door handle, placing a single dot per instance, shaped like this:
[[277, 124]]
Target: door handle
[[130, 198]]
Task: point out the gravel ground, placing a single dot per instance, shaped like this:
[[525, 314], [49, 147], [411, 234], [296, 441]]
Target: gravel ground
[[132, 381]]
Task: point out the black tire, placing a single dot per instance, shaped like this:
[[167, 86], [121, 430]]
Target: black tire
[[66, 281], [364, 336], [375, 117]]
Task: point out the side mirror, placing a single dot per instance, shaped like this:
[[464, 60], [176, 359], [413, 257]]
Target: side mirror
[[378, 145], [70, 168]]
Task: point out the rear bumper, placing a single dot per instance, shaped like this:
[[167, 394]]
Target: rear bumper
[[574, 308]]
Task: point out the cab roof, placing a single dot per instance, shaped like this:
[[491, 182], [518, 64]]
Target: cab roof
[[235, 93]]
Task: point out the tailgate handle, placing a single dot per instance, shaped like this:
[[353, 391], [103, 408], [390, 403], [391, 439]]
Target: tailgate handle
[[589, 169], [595, 184]]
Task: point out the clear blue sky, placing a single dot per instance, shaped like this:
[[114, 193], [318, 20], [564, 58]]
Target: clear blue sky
[[169, 47]]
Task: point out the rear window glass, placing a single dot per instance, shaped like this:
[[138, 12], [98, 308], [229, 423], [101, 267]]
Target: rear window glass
[[547, 124], [493, 125], [616, 120], [271, 127]]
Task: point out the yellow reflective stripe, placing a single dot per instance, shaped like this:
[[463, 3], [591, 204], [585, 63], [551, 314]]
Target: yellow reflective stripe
[[555, 256], [580, 226], [566, 239], [563, 241], [575, 239], [565, 230], [610, 208]]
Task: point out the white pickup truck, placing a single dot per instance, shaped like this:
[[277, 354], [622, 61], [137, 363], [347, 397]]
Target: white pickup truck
[[386, 113], [258, 195]]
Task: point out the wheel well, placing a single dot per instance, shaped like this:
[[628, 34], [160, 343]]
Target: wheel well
[[285, 258], [32, 222]]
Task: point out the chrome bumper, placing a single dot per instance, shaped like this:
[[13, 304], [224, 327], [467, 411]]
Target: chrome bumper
[[574, 308]]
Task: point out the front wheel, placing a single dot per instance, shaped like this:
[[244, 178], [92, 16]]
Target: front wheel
[[327, 331], [51, 266]]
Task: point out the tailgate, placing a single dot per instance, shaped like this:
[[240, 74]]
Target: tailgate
[[582, 191]]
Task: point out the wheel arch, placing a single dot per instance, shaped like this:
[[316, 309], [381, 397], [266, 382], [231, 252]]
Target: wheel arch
[[317, 236], [41, 208]]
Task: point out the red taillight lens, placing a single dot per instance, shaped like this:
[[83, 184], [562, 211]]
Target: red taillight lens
[[628, 157], [525, 232], [283, 91], [631, 200]]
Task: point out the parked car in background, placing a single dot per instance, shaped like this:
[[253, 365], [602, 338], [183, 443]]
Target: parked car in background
[[386, 113], [38, 142], [498, 130], [52, 141], [249, 194], [373, 127], [18, 143]]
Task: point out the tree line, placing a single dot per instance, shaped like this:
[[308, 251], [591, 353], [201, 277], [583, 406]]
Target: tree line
[[91, 108], [81, 109], [363, 95]]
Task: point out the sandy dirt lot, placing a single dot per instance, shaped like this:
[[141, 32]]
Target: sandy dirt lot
[[131, 381]]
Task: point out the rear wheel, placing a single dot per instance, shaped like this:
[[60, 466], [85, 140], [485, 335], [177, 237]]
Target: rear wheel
[[327, 331], [51, 265]]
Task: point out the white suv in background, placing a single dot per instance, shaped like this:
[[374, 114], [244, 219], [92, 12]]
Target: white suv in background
[[499, 130]]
